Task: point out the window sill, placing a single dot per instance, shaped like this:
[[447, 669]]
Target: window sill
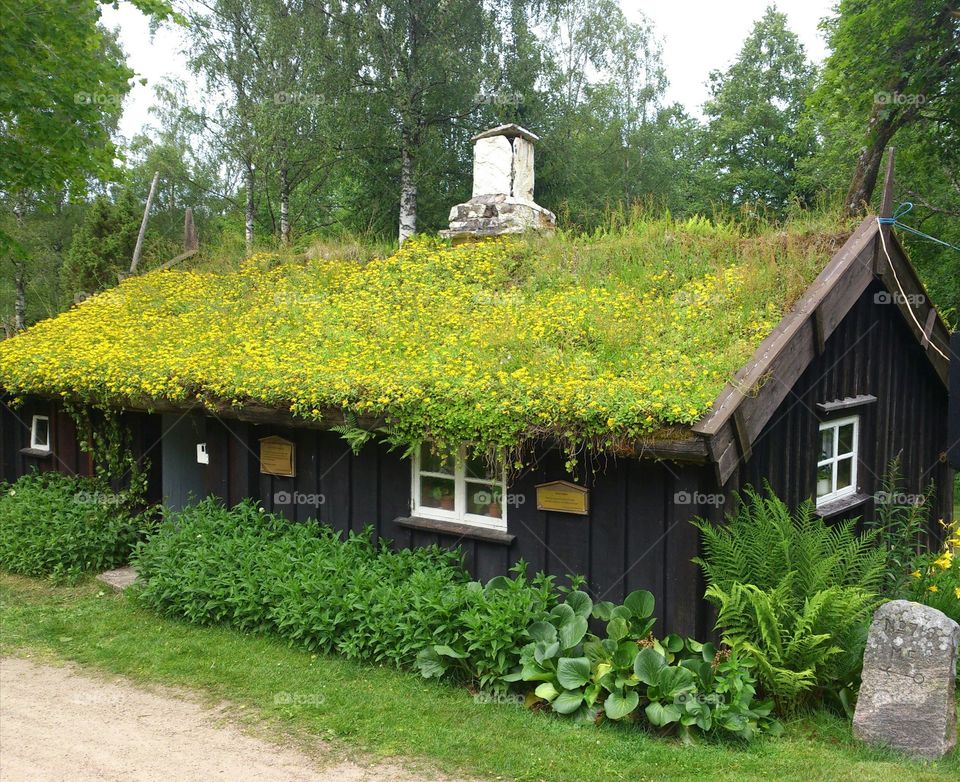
[[841, 505], [37, 453], [456, 528]]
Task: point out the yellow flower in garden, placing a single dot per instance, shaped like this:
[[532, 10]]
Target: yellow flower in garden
[[956, 592], [916, 574], [944, 560], [933, 588]]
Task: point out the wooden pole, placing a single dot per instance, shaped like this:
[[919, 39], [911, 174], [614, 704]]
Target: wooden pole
[[143, 225], [886, 202]]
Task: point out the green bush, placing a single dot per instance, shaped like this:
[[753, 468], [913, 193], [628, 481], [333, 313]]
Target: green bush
[[257, 571], [61, 526], [794, 593], [675, 684]]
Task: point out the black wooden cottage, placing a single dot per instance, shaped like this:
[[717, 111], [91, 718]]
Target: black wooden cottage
[[854, 375]]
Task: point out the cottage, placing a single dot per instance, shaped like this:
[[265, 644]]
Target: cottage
[[573, 405]]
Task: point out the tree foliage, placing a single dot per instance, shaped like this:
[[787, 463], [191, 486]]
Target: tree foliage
[[756, 132]]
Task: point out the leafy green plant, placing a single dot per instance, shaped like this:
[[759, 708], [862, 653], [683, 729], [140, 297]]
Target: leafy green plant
[[901, 525], [62, 526], [675, 684], [303, 581], [484, 641], [794, 593]]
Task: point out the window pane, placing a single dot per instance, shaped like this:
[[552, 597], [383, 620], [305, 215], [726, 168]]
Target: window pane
[[41, 432], [826, 444], [432, 462], [844, 473], [479, 468], [437, 492], [846, 439], [824, 479], [484, 500]]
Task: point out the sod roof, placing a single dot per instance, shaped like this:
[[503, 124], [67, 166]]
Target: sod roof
[[603, 339]]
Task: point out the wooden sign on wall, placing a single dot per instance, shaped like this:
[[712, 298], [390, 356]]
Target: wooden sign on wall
[[277, 457], [563, 497]]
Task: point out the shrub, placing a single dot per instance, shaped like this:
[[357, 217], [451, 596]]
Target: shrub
[[794, 593], [257, 571], [672, 685], [61, 526]]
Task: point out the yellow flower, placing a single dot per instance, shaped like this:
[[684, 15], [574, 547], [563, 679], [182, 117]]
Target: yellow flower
[[933, 588], [944, 560], [915, 574]]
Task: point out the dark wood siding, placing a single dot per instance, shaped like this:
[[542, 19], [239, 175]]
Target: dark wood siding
[[65, 454], [872, 352]]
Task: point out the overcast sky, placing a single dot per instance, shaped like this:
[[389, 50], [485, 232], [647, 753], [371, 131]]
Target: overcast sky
[[698, 36]]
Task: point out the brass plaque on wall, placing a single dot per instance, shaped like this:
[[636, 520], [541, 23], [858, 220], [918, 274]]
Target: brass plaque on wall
[[277, 457], [563, 497]]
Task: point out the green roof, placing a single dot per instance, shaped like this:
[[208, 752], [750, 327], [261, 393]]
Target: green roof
[[602, 339]]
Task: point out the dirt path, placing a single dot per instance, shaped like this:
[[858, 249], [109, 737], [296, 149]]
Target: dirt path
[[63, 724]]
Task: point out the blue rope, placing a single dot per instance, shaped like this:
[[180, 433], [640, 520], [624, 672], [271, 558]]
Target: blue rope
[[901, 210]]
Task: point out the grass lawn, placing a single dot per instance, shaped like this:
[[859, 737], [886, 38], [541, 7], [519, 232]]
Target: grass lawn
[[391, 713]]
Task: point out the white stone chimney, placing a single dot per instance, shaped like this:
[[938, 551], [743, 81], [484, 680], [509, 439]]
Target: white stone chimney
[[502, 201]]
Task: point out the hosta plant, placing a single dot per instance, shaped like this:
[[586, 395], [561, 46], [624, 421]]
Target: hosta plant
[[672, 684]]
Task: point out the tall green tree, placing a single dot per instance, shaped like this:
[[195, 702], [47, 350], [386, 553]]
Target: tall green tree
[[62, 80], [893, 64], [422, 67], [756, 134]]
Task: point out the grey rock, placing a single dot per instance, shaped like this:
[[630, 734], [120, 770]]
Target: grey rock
[[118, 579], [908, 696]]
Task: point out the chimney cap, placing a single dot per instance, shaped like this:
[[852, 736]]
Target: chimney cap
[[510, 131]]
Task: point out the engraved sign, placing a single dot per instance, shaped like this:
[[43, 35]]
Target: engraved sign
[[277, 457], [563, 497]]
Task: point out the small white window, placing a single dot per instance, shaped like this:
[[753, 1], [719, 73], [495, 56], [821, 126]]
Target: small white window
[[463, 490], [837, 463], [40, 433]]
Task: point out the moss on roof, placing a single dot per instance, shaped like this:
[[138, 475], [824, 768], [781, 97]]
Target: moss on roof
[[594, 339]]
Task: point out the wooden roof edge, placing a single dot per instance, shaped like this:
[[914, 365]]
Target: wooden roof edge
[[740, 411], [754, 370]]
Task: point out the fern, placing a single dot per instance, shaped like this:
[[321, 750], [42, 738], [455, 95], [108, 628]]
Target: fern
[[793, 592]]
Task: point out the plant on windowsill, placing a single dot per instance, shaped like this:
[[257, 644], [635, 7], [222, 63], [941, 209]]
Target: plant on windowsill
[[442, 497]]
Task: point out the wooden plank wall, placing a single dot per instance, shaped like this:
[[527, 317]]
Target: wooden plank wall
[[65, 455], [872, 352]]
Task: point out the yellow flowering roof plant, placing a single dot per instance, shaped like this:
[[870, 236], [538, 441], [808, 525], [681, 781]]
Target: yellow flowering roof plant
[[595, 339]]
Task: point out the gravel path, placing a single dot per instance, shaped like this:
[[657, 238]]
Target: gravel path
[[59, 723]]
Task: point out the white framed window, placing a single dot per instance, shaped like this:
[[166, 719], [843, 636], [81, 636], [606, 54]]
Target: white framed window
[[837, 463], [40, 433], [460, 489]]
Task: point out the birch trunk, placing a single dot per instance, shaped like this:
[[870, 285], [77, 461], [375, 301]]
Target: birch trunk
[[19, 276], [408, 194], [248, 217], [284, 207], [20, 305]]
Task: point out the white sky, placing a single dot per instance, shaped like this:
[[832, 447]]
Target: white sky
[[698, 36]]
